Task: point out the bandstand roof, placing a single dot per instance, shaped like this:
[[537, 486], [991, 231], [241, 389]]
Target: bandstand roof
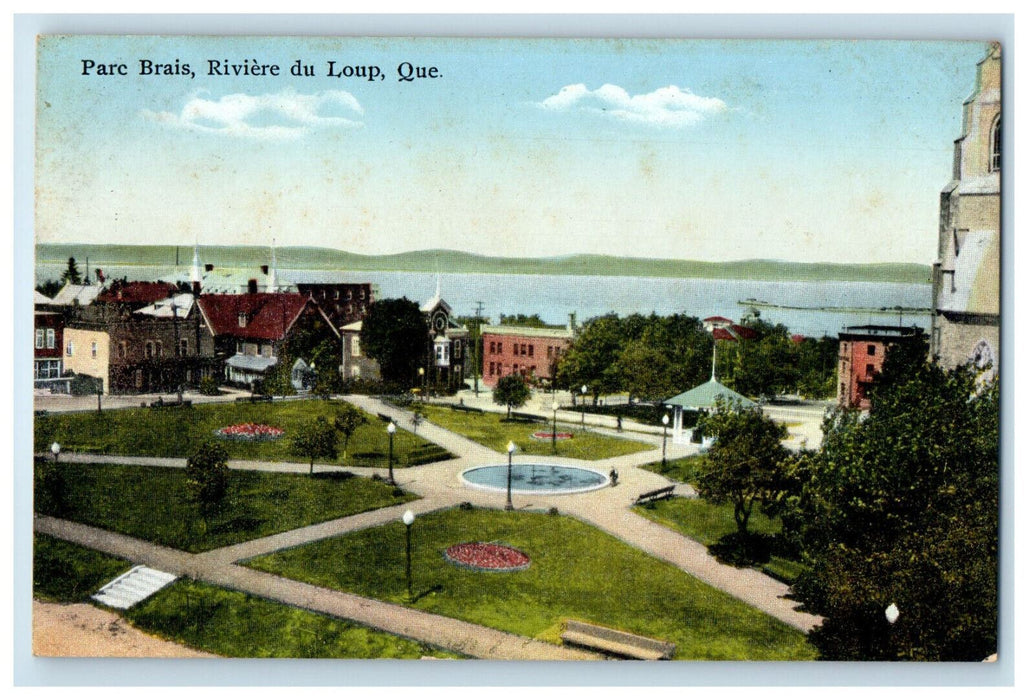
[[706, 396]]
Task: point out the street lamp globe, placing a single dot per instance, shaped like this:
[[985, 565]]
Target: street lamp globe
[[391, 428], [55, 449], [408, 518], [664, 419], [511, 447], [556, 405], [584, 388], [891, 613]]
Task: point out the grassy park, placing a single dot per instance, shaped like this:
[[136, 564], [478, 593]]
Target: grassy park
[[576, 572], [152, 503], [492, 431], [713, 525], [176, 432], [213, 619]]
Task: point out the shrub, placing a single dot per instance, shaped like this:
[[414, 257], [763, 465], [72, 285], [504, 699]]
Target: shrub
[[209, 386], [208, 475]]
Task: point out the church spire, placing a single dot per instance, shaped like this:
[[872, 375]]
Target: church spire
[[271, 284], [195, 268]]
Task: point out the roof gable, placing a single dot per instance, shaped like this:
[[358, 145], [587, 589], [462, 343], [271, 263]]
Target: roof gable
[[259, 316]]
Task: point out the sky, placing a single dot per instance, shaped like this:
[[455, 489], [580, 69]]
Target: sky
[[703, 150]]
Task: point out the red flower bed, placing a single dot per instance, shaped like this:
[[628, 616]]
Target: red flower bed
[[487, 556], [544, 435], [250, 431]]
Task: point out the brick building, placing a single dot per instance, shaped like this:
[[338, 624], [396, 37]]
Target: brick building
[[531, 352], [160, 347], [49, 335], [861, 355]]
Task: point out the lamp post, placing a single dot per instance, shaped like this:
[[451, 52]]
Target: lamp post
[[391, 445], [55, 450], [584, 389], [423, 384], [408, 519], [100, 392], [555, 407], [511, 448], [664, 439]]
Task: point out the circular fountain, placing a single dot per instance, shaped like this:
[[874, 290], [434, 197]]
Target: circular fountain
[[535, 478]]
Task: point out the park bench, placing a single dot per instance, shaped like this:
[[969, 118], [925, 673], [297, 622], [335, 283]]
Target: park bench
[[169, 404], [384, 418], [655, 495], [469, 409], [616, 643], [253, 399], [516, 417]]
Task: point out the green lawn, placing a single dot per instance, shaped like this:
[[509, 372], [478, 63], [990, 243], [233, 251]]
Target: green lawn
[[63, 572], [684, 469], [491, 430], [152, 502], [709, 523], [577, 572], [176, 432], [213, 619], [233, 624]]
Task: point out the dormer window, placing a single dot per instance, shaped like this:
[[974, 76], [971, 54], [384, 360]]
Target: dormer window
[[242, 319], [996, 155]]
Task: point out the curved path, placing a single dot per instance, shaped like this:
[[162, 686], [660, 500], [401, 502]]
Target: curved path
[[440, 487]]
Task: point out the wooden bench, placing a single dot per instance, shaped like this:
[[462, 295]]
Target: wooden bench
[[383, 418], [617, 643], [254, 399], [655, 495]]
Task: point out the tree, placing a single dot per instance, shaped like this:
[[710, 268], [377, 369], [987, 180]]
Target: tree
[[50, 288], [71, 273], [745, 464], [591, 358], [208, 475], [511, 391], [347, 422], [396, 335], [902, 507], [314, 439]]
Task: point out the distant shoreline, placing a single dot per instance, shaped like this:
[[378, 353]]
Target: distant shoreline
[[456, 262]]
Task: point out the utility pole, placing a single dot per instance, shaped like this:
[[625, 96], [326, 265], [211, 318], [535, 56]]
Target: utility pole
[[480, 306]]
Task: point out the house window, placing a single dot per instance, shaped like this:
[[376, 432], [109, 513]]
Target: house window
[[50, 339], [348, 295], [123, 349], [69, 349], [456, 348], [996, 159], [524, 351], [515, 350], [355, 346], [355, 371], [870, 370], [139, 378], [39, 338], [531, 350], [93, 349], [336, 294], [184, 347], [871, 349]]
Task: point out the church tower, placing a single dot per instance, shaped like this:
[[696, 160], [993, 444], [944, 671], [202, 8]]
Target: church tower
[[965, 278]]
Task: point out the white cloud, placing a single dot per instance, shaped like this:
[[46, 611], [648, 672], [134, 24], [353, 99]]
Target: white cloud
[[281, 116], [669, 106]]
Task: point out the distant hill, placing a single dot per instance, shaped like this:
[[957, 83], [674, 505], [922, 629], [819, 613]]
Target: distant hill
[[451, 261]]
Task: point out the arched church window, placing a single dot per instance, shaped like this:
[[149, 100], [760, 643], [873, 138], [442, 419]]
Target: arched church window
[[996, 159]]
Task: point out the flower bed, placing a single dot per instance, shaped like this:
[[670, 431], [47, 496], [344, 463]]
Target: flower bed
[[252, 432], [545, 435], [487, 556]]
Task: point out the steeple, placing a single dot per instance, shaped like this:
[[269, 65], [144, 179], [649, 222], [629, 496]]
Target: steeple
[[271, 283], [195, 268]]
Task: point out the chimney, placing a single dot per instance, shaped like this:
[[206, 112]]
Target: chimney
[[253, 286], [209, 267], [571, 321], [265, 269]]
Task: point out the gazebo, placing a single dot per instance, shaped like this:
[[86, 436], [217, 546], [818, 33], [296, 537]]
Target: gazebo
[[707, 396]]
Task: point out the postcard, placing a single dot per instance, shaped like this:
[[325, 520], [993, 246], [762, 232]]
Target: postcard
[[517, 349]]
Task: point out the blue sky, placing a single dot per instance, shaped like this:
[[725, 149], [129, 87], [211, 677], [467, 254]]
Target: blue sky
[[710, 150]]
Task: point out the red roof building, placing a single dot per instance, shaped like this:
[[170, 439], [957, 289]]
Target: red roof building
[[136, 293]]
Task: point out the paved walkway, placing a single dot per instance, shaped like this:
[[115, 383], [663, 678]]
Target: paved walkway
[[440, 486]]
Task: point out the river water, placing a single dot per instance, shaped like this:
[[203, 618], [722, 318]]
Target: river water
[[553, 297]]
